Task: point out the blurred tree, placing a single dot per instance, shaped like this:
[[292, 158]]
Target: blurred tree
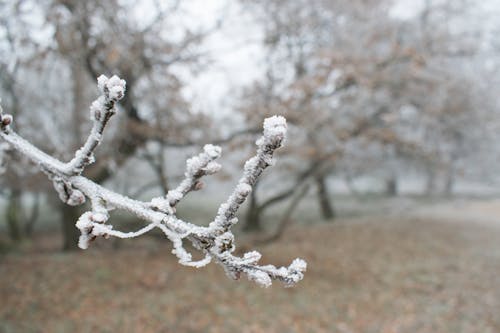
[[353, 75], [61, 46]]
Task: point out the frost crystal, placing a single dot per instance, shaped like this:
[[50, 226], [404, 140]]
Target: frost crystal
[[298, 265], [212, 167], [262, 278], [275, 127], [244, 189], [116, 92], [6, 120], [252, 257], [174, 195], [116, 88], [160, 204], [76, 198], [212, 151], [101, 83]]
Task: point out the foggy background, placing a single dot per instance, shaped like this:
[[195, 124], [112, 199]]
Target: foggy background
[[387, 184]]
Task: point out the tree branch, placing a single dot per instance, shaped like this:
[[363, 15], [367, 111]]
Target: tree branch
[[216, 241]]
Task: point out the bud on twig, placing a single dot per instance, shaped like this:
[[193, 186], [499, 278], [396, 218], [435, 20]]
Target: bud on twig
[[6, 120]]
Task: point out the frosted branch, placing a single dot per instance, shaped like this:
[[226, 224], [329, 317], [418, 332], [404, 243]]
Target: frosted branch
[[274, 134], [196, 167], [216, 241]]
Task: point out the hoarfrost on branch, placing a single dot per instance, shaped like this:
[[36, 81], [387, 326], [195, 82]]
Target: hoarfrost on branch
[[216, 241]]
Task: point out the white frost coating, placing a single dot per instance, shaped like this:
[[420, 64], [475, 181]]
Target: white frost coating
[[274, 134], [161, 204], [7, 120], [212, 167], [174, 195], [275, 126], [262, 278], [99, 217], [212, 151], [243, 189], [76, 198], [298, 265], [225, 243], [96, 110], [101, 110], [101, 83], [196, 167], [216, 241], [252, 257], [84, 224]]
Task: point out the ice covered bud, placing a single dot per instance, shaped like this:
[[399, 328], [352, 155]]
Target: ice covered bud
[[162, 204], [243, 189], [99, 217], [275, 128], [212, 151], [212, 167], [252, 257], [101, 229], [198, 186], [298, 265], [6, 120], [76, 198], [116, 93], [96, 110], [116, 88], [260, 277], [296, 271], [101, 82], [225, 242], [174, 195], [113, 88], [84, 224], [115, 81]]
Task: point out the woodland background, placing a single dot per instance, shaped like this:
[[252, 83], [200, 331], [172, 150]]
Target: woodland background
[[388, 183]]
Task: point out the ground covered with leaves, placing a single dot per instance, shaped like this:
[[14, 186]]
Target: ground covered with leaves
[[365, 275]]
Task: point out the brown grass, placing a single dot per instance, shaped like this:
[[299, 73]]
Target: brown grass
[[364, 276]]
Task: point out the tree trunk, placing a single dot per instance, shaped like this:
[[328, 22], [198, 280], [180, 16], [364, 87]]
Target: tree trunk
[[33, 217], [14, 215], [430, 186], [252, 218], [69, 216], [391, 187], [326, 207], [252, 221], [449, 181], [20, 225]]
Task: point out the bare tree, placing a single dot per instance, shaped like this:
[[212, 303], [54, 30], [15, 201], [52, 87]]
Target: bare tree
[[345, 74], [81, 39]]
